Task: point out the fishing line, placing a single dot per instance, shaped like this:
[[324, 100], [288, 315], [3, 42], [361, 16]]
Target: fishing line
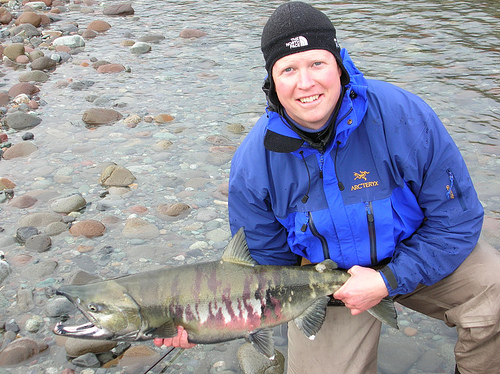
[[161, 359]]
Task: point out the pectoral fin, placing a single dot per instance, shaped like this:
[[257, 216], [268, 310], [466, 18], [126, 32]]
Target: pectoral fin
[[313, 317], [167, 330], [263, 342], [385, 312]]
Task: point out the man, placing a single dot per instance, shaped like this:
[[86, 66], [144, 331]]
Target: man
[[363, 173]]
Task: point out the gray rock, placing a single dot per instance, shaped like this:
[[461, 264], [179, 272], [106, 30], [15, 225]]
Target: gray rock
[[23, 233], [25, 300], [39, 243], [88, 360], [402, 350], [22, 121], [44, 63], [121, 9], [59, 307], [68, 204], [34, 324], [40, 270], [117, 176], [39, 219], [55, 228], [34, 76]]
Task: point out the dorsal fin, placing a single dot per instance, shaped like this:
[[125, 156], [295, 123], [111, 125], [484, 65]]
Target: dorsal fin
[[237, 250]]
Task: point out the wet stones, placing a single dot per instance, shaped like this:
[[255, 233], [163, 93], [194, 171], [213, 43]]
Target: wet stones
[[192, 33], [116, 176], [20, 350], [121, 9], [98, 26], [68, 204], [138, 228], [87, 228], [101, 116]]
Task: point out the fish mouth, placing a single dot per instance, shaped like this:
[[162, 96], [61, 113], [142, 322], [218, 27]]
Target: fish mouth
[[87, 330]]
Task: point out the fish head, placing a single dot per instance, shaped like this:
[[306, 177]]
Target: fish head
[[112, 313]]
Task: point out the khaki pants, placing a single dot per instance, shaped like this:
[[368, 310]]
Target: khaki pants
[[468, 299]]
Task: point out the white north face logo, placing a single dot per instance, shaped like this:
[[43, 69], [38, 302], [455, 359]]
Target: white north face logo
[[299, 41]]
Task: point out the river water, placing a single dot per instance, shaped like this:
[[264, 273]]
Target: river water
[[445, 51]]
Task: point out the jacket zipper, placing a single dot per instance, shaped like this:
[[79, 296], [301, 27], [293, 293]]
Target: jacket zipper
[[314, 231], [449, 193], [371, 232]]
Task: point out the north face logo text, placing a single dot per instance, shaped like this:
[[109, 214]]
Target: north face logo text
[[299, 41]]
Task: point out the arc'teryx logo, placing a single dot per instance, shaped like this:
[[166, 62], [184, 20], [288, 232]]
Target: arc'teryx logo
[[299, 41], [362, 175]]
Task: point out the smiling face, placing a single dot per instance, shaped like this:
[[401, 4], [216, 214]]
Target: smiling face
[[308, 86]]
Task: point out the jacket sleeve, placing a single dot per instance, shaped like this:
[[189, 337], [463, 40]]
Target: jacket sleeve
[[250, 207], [432, 166]]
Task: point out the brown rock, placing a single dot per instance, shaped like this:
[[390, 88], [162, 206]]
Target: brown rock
[[23, 202], [20, 350], [29, 17], [110, 68], [14, 50], [172, 210], [192, 33], [4, 98], [6, 184], [99, 26], [78, 347], [100, 116], [44, 20], [22, 59], [88, 228], [117, 176], [19, 150], [410, 331], [23, 88], [88, 34], [5, 16], [122, 9], [43, 63], [163, 118]]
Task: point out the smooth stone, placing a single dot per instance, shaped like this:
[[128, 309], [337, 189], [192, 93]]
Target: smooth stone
[[72, 41], [34, 324], [192, 33], [39, 243], [78, 347], [59, 307], [110, 68], [55, 228], [23, 202], [20, 350], [13, 51], [101, 116], [151, 38], [117, 176], [40, 270], [23, 88], [88, 360], [138, 228], [29, 17], [25, 232], [68, 204], [171, 210], [6, 184], [22, 121], [99, 26], [88, 228], [39, 219], [140, 48], [19, 150], [34, 76], [44, 63], [121, 9]]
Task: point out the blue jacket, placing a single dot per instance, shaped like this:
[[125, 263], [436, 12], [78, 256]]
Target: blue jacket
[[390, 187]]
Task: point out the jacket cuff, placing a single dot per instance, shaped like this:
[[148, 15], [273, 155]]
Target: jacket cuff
[[389, 277]]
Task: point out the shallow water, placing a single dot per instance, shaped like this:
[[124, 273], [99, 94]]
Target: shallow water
[[445, 51]]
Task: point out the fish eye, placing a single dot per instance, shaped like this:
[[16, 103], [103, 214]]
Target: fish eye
[[93, 307]]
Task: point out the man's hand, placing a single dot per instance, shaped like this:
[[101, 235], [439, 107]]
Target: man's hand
[[178, 341], [364, 289]]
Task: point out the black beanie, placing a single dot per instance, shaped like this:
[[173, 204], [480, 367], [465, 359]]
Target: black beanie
[[297, 27]]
